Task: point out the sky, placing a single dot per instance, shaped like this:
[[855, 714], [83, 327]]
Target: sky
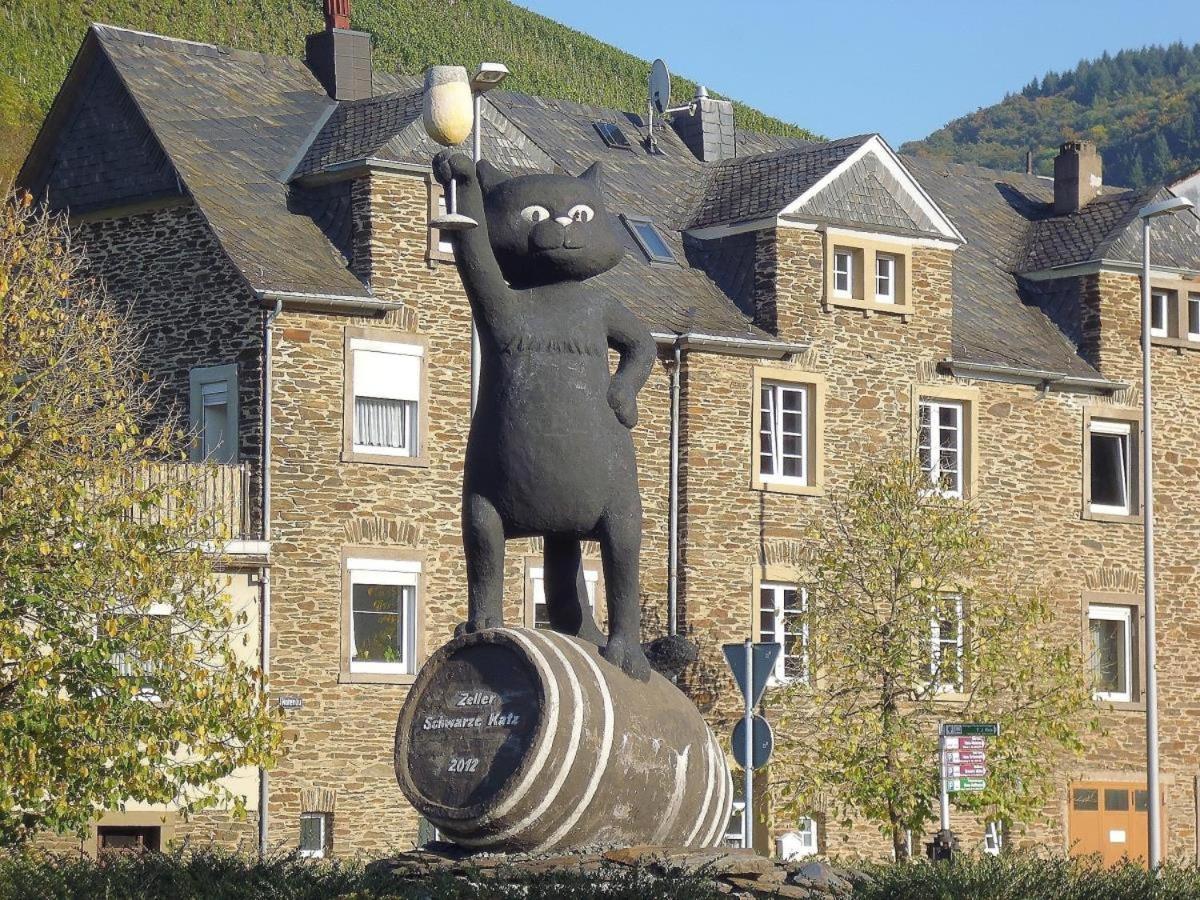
[[903, 69]]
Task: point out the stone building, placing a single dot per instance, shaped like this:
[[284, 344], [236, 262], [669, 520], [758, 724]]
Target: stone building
[[815, 305]]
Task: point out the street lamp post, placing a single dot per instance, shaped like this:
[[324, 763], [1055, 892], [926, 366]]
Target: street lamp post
[[486, 77], [1154, 812]]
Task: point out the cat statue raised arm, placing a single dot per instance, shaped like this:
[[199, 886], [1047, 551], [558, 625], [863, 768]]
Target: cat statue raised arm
[[550, 452]]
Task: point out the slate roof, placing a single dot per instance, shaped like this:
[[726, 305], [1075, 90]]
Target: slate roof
[[248, 136]]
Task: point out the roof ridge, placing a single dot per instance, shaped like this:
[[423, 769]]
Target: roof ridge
[[255, 57]]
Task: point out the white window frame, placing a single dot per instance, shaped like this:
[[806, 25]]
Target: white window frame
[[779, 628], [735, 836], [1160, 302], [777, 389], [937, 645], [444, 244], [935, 406], [399, 349], [200, 378], [537, 589], [993, 838], [404, 573], [847, 272], [323, 819], [144, 692], [1123, 614], [1121, 428], [1193, 302], [888, 295], [806, 832]]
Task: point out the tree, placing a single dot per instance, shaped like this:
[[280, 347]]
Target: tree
[[120, 673], [913, 621]]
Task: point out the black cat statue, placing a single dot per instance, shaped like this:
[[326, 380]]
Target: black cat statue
[[550, 452]]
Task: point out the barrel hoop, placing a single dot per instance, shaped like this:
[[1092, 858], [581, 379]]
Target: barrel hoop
[[720, 812], [563, 771], [606, 742], [702, 818], [672, 810], [533, 771]]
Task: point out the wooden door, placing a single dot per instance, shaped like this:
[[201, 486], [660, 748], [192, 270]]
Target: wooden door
[[1108, 818]]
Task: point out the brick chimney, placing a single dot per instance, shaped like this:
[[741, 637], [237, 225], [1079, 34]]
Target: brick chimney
[[1077, 176], [708, 132], [339, 56]]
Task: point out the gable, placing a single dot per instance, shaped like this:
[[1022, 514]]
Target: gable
[[98, 150], [872, 188]]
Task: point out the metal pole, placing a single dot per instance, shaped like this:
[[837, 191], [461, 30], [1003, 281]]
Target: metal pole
[[748, 811], [673, 505], [945, 792], [476, 155], [1154, 817]]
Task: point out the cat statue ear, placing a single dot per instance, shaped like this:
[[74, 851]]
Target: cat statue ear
[[489, 176], [592, 175]]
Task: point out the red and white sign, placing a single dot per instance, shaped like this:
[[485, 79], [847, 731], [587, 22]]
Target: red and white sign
[[965, 743], [964, 756], [967, 770]]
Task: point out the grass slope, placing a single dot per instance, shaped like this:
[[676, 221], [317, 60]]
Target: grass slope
[[1140, 107], [38, 40]]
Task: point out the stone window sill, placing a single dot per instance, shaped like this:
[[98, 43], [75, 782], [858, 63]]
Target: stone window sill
[[386, 459], [345, 677], [904, 310], [1175, 342], [784, 487], [1090, 516], [1121, 706]]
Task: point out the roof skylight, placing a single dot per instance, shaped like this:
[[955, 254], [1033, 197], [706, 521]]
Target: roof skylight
[[613, 136], [649, 238]]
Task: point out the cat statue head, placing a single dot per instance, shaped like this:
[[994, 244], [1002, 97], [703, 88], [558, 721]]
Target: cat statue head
[[548, 228]]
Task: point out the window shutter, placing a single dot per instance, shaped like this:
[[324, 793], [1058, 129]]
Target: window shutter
[[393, 373]]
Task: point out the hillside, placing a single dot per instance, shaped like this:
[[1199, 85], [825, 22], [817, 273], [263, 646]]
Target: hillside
[[38, 39], [1141, 107]]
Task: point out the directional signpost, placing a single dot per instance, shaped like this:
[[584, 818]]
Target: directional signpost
[[752, 665], [962, 752]]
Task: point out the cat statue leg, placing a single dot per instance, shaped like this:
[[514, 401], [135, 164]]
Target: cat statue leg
[[620, 536], [483, 546], [567, 605]]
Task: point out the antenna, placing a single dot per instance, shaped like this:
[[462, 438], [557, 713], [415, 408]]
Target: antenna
[[659, 99]]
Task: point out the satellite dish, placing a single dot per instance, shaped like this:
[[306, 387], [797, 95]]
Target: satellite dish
[[660, 86]]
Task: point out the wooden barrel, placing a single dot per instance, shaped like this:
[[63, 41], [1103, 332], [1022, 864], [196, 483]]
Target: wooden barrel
[[528, 741]]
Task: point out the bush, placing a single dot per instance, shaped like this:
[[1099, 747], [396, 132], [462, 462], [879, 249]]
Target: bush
[[211, 874], [1025, 877]]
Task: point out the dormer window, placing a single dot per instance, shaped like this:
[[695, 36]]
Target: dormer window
[[885, 278], [843, 272], [863, 273], [649, 240]]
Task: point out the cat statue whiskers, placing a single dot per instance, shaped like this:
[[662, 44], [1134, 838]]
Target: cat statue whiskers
[[550, 452]]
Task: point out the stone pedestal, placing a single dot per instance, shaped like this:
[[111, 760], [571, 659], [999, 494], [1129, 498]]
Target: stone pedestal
[[518, 740]]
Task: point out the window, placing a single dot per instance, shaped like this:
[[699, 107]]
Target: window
[[783, 426], [537, 592], [1110, 630], [129, 838], [385, 402], [783, 619], [799, 843], [946, 645], [314, 834], [993, 838], [214, 413], [885, 278], [648, 238], [1193, 317], [843, 273], [1160, 315], [940, 444], [439, 247], [734, 834], [383, 615], [612, 135], [144, 628], [1112, 470]]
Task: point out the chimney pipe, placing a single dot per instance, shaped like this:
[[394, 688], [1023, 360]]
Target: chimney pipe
[[708, 130], [1029, 162], [339, 56], [337, 14], [1077, 176]]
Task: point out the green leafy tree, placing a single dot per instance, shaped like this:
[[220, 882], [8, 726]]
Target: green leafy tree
[[913, 621], [123, 671]]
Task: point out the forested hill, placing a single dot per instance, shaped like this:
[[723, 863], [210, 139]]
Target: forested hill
[[38, 40], [1141, 107]]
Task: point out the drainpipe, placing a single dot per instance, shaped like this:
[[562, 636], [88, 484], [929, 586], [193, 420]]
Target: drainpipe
[[264, 627], [673, 500]]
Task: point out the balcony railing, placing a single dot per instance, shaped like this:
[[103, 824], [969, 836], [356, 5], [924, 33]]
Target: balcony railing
[[222, 496]]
